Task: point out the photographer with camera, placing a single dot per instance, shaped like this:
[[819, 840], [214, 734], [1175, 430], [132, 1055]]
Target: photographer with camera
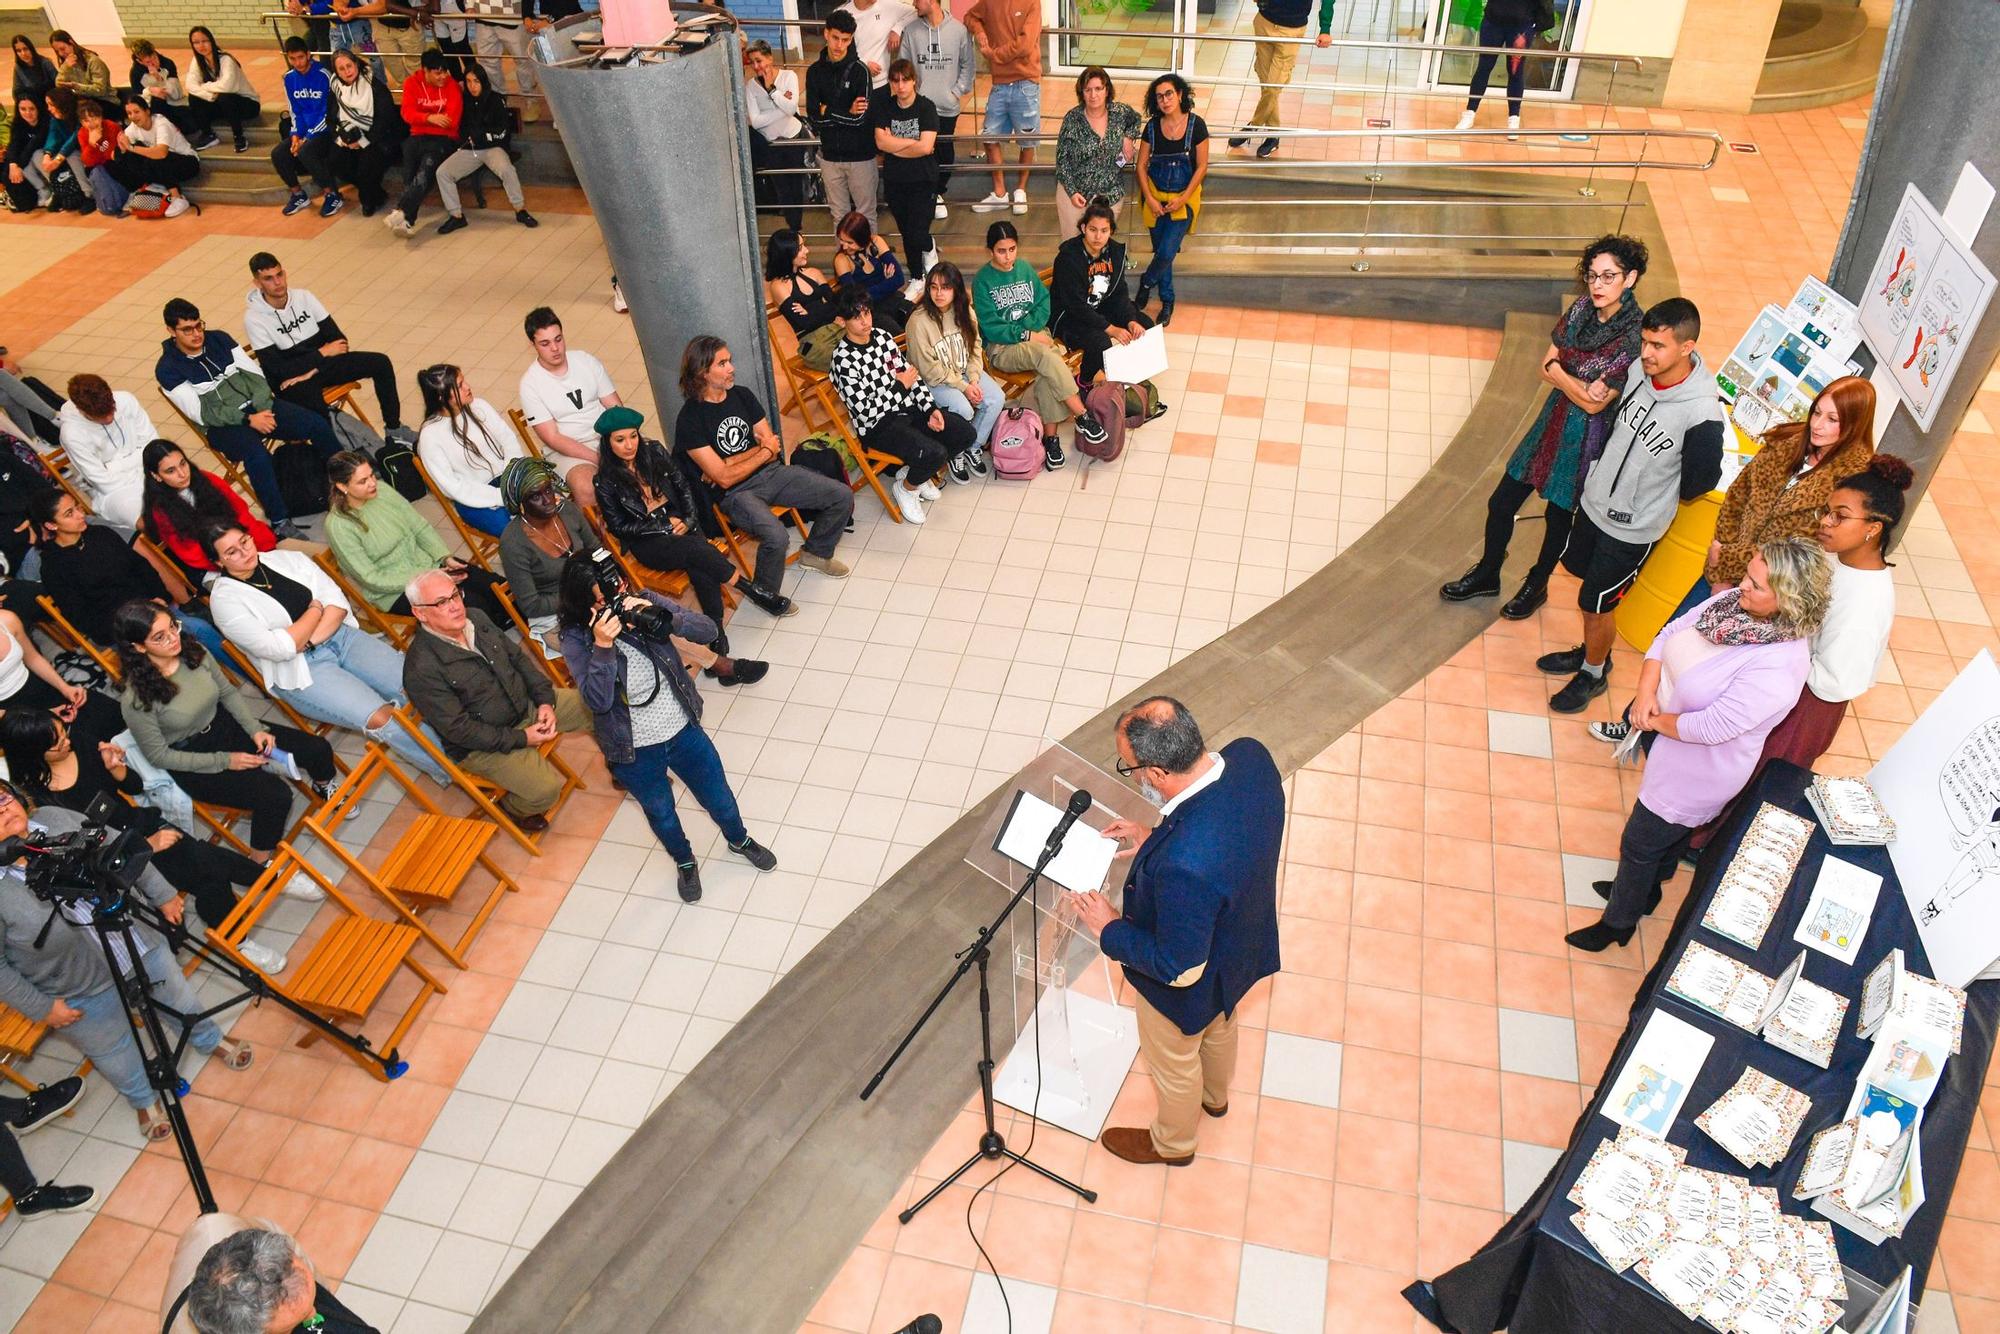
[[53, 966], [648, 713]]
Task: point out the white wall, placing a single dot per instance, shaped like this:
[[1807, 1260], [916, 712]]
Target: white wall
[[92, 22], [1633, 27]]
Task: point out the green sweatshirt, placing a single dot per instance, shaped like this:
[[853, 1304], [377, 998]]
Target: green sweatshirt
[[1010, 305], [382, 548]]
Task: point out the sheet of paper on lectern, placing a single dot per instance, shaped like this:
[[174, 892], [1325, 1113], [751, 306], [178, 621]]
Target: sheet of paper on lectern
[[1079, 865], [1141, 359]]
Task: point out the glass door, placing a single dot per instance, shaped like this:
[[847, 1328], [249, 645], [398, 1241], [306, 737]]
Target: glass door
[[1456, 22], [1131, 48]]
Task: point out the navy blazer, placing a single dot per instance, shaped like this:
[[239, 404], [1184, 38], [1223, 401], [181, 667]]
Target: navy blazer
[[1203, 889]]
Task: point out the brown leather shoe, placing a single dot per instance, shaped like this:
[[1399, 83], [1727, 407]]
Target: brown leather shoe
[[1135, 1145], [532, 824], [1216, 1111]]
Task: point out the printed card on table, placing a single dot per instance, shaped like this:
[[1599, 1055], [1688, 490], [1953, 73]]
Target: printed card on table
[[1649, 1089]]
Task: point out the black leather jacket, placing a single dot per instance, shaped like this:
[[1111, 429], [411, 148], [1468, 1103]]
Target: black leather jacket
[[624, 508]]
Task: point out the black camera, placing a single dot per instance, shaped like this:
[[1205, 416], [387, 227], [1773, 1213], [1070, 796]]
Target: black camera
[[640, 617], [96, 863]]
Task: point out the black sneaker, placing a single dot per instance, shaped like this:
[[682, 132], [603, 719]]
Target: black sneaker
[[525, 218], [208, 140], [1268, 147], [1611, 732], [759, 856], [1582, 688], [1526, 602], [976, 459], [1091, 430], [1052, 450], [742, 672], [1474, 583], [53, 1199], [46, 1103], [286, 528], [1564, 663], [771, 604], [1239, 141], [688, 881], [960, 470], [452, 224], [242, 144]]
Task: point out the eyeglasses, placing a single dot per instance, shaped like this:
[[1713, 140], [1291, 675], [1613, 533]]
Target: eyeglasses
[[1604, 277], [455, 595], [8, 799], [1842, 516], [1126, 770], [165, 635]]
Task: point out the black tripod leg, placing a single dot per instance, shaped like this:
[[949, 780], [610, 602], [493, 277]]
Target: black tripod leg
[[1090, 1196], [958, 1172]]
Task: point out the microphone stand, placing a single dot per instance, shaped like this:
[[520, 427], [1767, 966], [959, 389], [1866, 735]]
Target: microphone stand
[[992, 1144]]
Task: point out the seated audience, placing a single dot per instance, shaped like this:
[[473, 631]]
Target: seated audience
[[297, 629], [1013, 311], [31, 404], [492, 705], [32, 1197], [464, 444], [1089, 308], [96, 151], [34, 73], [307, 142], [180, 503], [71, 766], [105, 431], [906, 130], [865, 263], [24, 477], [382, 543], [802, 295], [722, 430], [367, 131], [191, 722], [27, 185], [231, 1274], [29, 681], [303, 352], [944, 343], [157, 79], [1714, 684], [485, 134], [218, 92], [91, 570], [54, 970], [648, 506], [152, 151], [647, 715], [58, 164], [81, 71], [561, 394], [891, 410], [431, 108], [216, 385]]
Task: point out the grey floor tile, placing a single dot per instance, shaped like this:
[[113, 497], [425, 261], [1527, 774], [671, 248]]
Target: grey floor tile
[[1537, 1044]]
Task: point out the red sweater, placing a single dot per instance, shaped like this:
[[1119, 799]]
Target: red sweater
[[187, 548], [93, 154], [420, 99]]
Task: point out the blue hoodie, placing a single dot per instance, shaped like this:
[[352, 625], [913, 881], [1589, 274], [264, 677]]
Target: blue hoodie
[[310, 97]]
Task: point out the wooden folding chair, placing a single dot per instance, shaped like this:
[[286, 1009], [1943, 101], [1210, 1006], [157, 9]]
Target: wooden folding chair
[[58, 628], [667, 583], [557, 669], [430, 862], [59, 465], [873, 462], [396, 629], [486, 795], [484, 551], [240, 662], [343, 398], [529, 440], [347, 969]]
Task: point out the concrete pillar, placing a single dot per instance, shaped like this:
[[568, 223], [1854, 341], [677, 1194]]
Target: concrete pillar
[[662, 149], [1721, 53], [1935, 110]]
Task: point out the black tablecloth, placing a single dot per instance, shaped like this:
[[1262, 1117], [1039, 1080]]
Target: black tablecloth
[[1539, 1274]]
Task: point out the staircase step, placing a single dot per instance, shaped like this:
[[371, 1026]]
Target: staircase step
[[1838, 74]]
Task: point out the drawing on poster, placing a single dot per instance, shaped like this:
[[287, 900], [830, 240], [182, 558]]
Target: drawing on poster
[[1970, 788], [1924, 298]]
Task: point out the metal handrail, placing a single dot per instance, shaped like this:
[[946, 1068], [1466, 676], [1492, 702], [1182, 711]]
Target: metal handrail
[[1340, 44]]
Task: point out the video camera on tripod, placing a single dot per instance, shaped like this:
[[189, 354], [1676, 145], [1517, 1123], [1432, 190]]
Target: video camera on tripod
[[641, 617], [97, 864]]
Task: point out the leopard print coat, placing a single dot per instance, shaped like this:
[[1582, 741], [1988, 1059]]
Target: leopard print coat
[[1760, 508]]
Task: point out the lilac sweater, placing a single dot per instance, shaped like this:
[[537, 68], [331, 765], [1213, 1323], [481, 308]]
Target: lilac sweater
[[1728, 704]]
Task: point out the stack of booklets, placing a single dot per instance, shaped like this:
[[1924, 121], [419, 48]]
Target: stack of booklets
[[1710, 980], [1853, 815], [1756, 1120], [1754, 883], [1716, 1247], [1892, 990], [1803, 1017]]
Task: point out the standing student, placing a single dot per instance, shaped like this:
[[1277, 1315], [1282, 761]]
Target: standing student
[[878, 28], [562, 392], [1173, 162], [432, 104], [504, 46], [774, 122], [1098, 139], [1508, 23], [486, 133], [1091, 310], [1009, 33], [945, 57], [219, 92], [1274, 61], [837, 101], [308, 144], [943, 339], [1013, 311], [891, 409], [906, 130]]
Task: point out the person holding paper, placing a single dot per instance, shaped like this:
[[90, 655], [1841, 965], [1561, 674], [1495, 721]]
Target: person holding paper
[[1091, 309], [1714, 684], [1200, 923]]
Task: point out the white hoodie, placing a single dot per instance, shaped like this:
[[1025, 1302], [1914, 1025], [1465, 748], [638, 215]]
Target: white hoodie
[[295, 322], [229, 79], [106, 456]]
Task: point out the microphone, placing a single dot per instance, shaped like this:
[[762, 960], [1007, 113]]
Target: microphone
[[1079, 802], [923, 1324]]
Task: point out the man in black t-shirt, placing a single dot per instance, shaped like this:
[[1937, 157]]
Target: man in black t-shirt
[[723, 431], [905, 123]]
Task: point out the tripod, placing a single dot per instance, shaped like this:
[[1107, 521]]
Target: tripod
[[992, 1144]]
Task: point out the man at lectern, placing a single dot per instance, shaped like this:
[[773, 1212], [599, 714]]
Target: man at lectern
[[1200, 925]]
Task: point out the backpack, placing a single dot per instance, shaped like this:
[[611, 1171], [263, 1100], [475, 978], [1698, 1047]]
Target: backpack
[[1142, 404], [1017, 443], [398, 462], [1106, 401], [825, 455], [301, 477], [148, 201]]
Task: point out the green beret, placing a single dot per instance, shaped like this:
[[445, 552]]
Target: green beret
[[620, 418]]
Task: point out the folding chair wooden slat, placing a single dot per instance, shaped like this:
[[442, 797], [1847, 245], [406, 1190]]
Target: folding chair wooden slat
[[557, 669], [58, 627], [483, 550], [396, 629], [486, 795]]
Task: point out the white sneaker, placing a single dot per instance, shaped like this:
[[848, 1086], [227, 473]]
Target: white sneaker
[[928, 490], [303, 889], [1465, 121], [1020, 201], [993, 203], [913, 291], [907, 502], [177, 206], [931, 258], [397, 223], [1513, 125], [266, 959], [940, 212]]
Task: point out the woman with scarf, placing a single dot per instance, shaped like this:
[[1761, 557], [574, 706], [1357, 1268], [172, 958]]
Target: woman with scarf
[[1591, 348], [1714, 684], [367, 129]]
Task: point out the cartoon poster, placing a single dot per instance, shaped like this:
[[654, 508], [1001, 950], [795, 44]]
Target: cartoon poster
[[1923, 299], [1941, 783], [1827, 319]]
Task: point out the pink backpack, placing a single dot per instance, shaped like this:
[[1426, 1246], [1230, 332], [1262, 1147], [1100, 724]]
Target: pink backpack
[[1017, 444]]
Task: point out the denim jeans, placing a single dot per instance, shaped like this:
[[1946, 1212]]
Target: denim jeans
[[491, 520], [353, 675], [692, 755], [992, 402], [1168, 233], [243, 446], [203, 630], [358, 36], [104, 1035]]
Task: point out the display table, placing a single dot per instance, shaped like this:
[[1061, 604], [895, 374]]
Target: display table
[[1539, 1276]]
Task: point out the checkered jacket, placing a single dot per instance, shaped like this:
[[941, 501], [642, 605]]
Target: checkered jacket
[[864, 374]]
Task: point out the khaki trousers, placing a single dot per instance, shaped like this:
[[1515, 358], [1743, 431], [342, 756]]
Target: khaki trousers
[[1053, 384], [400, 49], [530, 782], [1273, 63], [1187, 1072]]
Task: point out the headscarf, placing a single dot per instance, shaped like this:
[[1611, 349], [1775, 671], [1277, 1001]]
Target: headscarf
[[523, 475]]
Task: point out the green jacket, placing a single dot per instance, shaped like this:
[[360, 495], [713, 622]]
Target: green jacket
[[383, 547], [235, 397], [1009, 305]]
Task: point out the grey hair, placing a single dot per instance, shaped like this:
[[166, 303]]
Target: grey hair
[[1800, 580], [243, 1281], [760, 47], [1163, 734], [413, 592]]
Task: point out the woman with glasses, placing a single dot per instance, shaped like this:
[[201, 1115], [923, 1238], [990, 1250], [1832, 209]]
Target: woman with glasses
[[297, 630], [190, 721], [1590, 350], [1173, 161]]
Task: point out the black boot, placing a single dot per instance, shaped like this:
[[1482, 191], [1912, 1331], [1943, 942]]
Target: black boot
[[1525, 603], [1476, 582], [1597, 937], [774, 604], [1166, 315], [1602, 888], [1145, 295]]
